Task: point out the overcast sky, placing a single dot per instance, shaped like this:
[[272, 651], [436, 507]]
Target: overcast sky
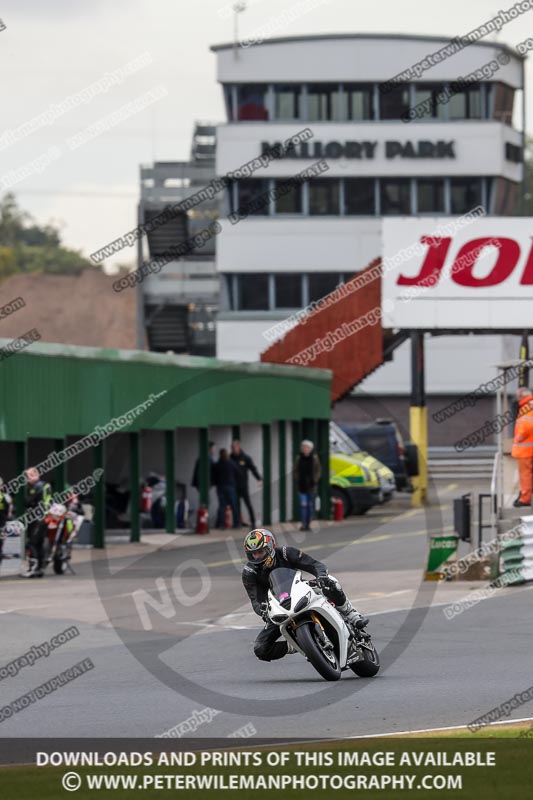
[[51, 49]]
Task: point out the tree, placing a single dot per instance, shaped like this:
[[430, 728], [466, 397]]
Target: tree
[[28, 247], [8, 265], [12, 221]]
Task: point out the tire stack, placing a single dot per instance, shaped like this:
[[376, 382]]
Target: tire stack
[[516, 555]]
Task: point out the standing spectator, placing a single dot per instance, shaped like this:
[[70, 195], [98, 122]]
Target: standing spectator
[[5, 507], [225, 475], [195, 482], [158, 484], [523, 446], [244, 465], [307, 472], [38, 492], [196, 472]]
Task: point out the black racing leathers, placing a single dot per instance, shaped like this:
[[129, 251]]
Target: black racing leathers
[[5, 503], [39, 493]]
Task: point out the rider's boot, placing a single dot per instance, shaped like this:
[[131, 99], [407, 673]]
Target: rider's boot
[[352, 616], [34, 570]]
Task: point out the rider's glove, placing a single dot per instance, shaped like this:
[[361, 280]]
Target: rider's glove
[[264, 612], [323, 581]]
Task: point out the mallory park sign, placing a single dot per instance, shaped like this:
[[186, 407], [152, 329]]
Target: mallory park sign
[[363, 150]]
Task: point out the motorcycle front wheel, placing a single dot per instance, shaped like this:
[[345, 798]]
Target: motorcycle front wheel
[[325, 662]]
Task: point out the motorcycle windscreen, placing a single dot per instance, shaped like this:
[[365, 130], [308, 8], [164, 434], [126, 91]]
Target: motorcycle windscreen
[[281, 581]]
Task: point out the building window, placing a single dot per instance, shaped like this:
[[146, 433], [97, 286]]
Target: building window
[[324, 196], [228, 101], [358, 102], [505, 196], [395, 196], [230, 193], [502, 103], [252, 102], [359, 196], [322, 283], [288, 197], [394, 103], [323, 102], [514, 153], [426, 101], [252, 196], [430, 196], [465, 104], [288, 101], [228, 285], [465, 194], [253, 292], [288, 290]]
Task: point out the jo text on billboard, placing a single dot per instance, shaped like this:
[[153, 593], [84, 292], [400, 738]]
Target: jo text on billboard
[[452, 273]]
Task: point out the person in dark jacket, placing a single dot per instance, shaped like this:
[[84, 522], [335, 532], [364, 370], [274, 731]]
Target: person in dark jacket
[[225, 477], [307, 472], [5, 507], [262, 557], [244, 465], [195, 482], [196, 472], [38, 493]]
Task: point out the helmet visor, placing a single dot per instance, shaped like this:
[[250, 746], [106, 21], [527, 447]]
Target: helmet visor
[[258, 556]]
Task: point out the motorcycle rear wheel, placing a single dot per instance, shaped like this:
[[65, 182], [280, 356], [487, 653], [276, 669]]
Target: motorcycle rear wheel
[[328, 668], [60, 566]]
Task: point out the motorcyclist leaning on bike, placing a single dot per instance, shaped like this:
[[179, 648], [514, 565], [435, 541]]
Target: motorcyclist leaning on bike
[[262, 557], [38, 491]]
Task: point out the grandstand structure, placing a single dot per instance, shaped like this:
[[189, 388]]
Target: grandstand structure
[[178, 305]]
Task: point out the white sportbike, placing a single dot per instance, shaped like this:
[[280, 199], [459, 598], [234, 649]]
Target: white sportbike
[[313, 626]]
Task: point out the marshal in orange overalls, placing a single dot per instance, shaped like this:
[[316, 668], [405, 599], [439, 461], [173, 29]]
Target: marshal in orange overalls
[[523, 447]]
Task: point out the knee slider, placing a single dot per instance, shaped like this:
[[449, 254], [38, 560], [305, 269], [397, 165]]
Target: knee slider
[[260, 652]]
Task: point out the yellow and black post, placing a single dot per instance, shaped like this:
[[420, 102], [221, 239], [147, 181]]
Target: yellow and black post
[[523, 375], [418, 425]]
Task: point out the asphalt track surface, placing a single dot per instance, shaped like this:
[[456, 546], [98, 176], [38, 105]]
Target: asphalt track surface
[[188, 655]]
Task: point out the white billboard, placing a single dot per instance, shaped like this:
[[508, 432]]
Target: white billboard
[[457, 272]]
